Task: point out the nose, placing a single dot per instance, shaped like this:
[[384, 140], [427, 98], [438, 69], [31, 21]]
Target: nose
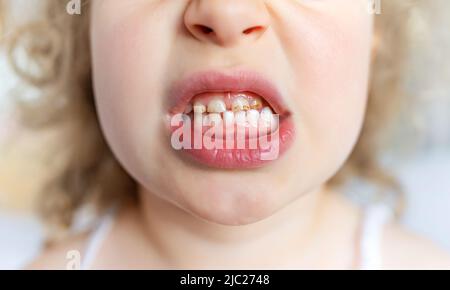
[[226, 22]]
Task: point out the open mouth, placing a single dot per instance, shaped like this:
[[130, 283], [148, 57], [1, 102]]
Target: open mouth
[[233, 113], [236, 120]]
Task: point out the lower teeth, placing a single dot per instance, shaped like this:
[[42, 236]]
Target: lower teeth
[[264, 120]]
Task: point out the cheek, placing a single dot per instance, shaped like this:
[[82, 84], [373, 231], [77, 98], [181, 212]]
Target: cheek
[[332, 60], [126, 54]]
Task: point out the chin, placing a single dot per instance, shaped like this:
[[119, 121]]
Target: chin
[[232, 207]]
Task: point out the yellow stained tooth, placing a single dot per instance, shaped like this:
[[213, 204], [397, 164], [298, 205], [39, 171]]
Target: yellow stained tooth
[[240, 104], [255, 104]]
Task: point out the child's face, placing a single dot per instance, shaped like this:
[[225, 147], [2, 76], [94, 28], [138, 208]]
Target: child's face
[[316, 53]]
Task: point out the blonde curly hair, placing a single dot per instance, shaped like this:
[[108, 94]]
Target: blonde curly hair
[[58, 46]]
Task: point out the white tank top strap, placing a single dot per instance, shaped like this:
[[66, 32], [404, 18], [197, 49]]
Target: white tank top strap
[[370, 241], [370, 255], [97, 238]]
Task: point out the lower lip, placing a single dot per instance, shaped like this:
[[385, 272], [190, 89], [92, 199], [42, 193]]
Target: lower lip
[[245, 158]]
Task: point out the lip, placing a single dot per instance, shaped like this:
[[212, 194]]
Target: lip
[[238, 81], [214, 81]]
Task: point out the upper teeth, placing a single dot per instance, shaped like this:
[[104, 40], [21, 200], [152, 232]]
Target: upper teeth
[[240, 118], [212, 119], [240, 104], [266, 114], [244, 111], [253, 117], [267, 119], [217, 106], [199, 108], [228, 118], [256, 104]]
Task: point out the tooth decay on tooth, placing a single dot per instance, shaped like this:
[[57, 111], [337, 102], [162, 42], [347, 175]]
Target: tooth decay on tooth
[[220, 102], [243, 110], [240, 104], [255, 104]]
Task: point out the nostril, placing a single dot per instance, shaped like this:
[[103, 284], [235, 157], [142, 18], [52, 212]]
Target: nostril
[[253, 29], [204, 29]]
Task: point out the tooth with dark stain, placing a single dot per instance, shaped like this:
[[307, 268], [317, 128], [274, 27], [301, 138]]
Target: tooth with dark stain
[[256, 104], [240, 104]]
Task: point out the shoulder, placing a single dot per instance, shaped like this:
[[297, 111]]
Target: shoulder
[[58, 255], [405, 250], [73, 251]]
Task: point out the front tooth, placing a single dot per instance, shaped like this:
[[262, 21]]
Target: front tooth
[[266, 114], [216, 106], [256, 104], [240, 104], [240, 118], [228, 118], [213, 119], [198, 120], [199, 108], [253, 117], [267, 119]]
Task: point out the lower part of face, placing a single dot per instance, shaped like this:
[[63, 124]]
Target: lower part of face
[[317, 53]]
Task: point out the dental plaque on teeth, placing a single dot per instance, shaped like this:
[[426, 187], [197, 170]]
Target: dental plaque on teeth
[[240, 104], [241, 109]]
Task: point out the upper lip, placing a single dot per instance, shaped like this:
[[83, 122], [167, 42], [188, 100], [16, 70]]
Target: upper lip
[[215, 81]]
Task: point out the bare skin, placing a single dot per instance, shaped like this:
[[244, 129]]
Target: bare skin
[[318, 53], [169, 239]]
